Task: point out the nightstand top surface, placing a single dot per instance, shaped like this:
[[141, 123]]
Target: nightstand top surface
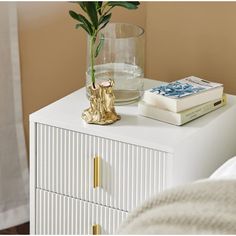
[[132, 128]]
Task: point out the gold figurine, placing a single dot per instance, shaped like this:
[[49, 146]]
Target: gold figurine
[[102, 109]]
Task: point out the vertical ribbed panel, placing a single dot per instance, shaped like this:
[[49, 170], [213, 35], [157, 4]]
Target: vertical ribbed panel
[[58, 214], [130, 174]]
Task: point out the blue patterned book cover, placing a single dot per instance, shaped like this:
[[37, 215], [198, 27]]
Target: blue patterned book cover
[[184, 87]]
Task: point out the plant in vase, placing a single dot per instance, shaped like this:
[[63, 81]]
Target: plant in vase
[[98, 15]]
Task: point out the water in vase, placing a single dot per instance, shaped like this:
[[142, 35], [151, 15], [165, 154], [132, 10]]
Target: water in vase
[[128, 80]]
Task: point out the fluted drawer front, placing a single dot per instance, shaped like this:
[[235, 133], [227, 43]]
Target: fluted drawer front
[[129, 174], [58, 214]]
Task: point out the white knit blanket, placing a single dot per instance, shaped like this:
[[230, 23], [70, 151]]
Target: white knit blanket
[[207, 207]]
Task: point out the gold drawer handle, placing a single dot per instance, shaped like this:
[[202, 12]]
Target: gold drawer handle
[[96, 229], [97, 172]]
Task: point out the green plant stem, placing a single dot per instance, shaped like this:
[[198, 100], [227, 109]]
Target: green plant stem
[[92, 44]]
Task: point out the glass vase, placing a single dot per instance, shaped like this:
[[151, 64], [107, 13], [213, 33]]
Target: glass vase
[[121, 58]]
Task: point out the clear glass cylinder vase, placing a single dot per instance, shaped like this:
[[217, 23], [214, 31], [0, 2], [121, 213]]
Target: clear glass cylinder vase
[[121, 58]]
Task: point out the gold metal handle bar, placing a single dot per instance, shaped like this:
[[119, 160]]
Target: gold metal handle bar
[[96, 229], [97, 174]]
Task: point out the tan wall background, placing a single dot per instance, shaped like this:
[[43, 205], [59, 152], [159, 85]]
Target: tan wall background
[[181, 39], [192, 39]]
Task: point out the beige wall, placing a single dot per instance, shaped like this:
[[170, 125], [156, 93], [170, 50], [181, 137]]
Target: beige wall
[[53, 52], [192, 39], [181, 39]]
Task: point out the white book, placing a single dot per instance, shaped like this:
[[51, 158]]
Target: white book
[[179, 118], [183, 94]]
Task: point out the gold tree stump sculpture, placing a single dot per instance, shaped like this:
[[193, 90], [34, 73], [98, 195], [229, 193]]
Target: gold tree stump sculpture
[[102, 109]]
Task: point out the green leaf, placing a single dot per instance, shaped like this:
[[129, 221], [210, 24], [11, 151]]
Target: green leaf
[[82, 25], [127, 5], [100, 45], [82, 5], [104, 19], [83, 20], [135, 3], [73, 14], [99, 6], [92, 13]]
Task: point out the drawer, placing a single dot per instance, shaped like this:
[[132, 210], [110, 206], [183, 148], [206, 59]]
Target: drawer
[[128, 174], [58, 214]]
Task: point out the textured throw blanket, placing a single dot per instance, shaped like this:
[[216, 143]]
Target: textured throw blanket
[[207, 207]]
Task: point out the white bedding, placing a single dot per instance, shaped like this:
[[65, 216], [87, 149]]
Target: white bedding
[[226, 171]]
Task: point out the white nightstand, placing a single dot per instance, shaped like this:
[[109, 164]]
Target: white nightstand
[[130, 160]]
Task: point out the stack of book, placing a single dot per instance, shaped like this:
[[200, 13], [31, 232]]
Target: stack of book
[[182, 101]]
